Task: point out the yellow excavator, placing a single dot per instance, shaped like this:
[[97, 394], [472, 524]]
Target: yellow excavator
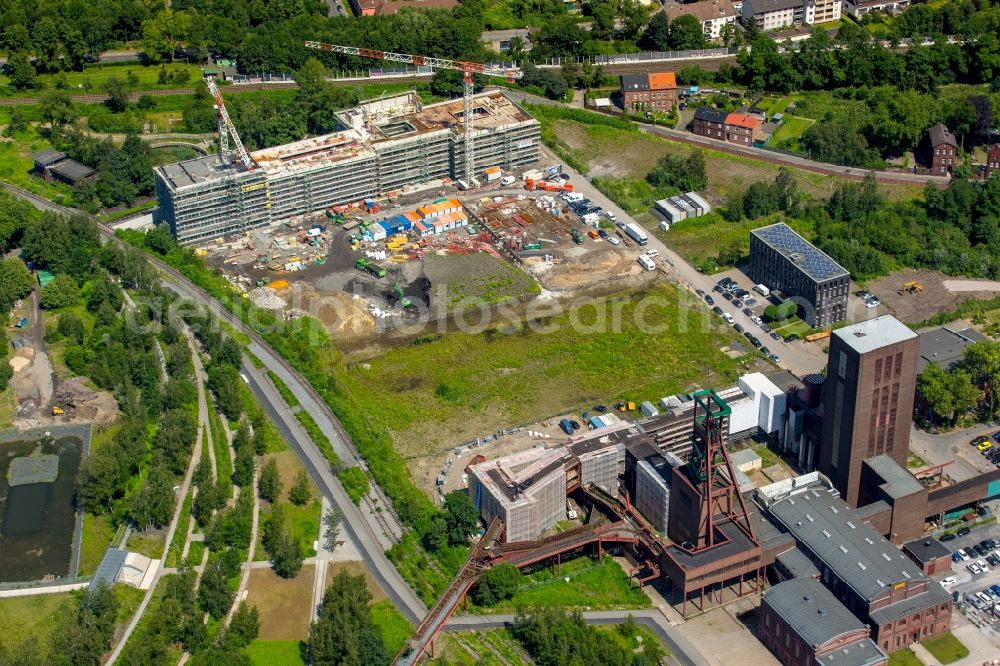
[[911, 287]]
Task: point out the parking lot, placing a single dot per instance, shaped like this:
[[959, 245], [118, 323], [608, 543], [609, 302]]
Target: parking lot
[[967, 583]]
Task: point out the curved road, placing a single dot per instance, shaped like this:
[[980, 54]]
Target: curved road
[[354, 523]]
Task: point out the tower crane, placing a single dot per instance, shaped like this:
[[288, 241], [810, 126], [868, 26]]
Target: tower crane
[[226, 128], [467, 68]]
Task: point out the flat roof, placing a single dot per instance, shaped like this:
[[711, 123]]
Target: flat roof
[[944, 346], [798, 564], [813, 262], [926, 549], [850, 547], [73, 170], [743, 457], [898, 480], [811, 611], [513, 476], [111, 564], [872, 334]]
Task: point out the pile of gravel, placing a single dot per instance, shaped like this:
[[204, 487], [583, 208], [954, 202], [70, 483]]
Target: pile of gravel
[[33, 469], [265, 297]]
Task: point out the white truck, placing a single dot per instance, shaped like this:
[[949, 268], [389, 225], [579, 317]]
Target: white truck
[[762, 290], [636, 233], [507, 180]]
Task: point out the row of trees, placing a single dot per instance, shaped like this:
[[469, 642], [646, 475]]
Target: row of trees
[[554, 638], [972, 384]]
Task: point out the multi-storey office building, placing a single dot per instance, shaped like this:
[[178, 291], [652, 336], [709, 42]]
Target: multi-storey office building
[[383, 146], [786, 262]]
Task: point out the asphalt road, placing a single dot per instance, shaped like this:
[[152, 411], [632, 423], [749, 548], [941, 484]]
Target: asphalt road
[[681, 651], [953, 447]]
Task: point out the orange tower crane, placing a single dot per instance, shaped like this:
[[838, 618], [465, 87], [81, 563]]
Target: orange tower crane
[[467, 68]]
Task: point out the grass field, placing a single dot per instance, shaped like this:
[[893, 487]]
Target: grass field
[[904, 657], [267, 653], [23, 617], [304, 521], [946, 648], [792, 325], [150, 545], [594, 585], [787, 136], [395, 628], [474, 280], [441, 388], [701, 238], [93, 78], [8, 403], [16, 166], [283, 604], [96, 535], [286, 393]]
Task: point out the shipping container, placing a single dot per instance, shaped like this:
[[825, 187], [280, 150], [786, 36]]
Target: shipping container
[[648, 409], [492, 174]]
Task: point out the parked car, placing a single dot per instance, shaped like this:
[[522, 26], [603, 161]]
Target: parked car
[[980, 551], [982, 439], [974, 568], [775, 336], [765, 351], [955, 557], [748, 312], [709, 299], [964, 555], [993, 560], [739, 327], [775, 358], [613, 240], [985, 568], [575, 424], [717, 289], [964, 531], [602, 233], [947, 537], [947, 581], [717, 310], [700, 292]]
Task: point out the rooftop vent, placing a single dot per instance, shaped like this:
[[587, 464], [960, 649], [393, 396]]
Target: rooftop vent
[[809, 518], [880, 583], [858, 333], [885, 556], [843, 549], [826, 534], [851, 525], [861, 565], [821, 611]]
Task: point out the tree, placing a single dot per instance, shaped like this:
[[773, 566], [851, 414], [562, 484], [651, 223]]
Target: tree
[[497, 584], [299, 493], [461, 517], [243, 628], [153, 505], [82, 637], [344, 633], [686, 34], [283, 547], [61, 292], [18, 123], [684, 173], [16, 282], [214, 594], [269, 483], [932, 384], [22, 72], [56, 108], [656, 37], [982, 360]]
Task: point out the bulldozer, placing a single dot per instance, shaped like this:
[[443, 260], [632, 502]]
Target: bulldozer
[[911, 287]]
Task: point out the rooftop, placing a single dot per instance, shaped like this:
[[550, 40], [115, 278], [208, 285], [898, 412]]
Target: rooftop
[[744, 457], [811, 611], [934, 595], [743, 120], [703, 11], [926, 549], [632, 82], [797, 564], [111, 564], [813, 262], [856, 553], [764, 6], [939, 135], [944, 346], [898, 480], [72, 170], [662, 81], [48, 156], [873, 334], [707, 113]]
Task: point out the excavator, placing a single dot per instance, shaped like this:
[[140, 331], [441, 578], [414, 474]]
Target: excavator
[[404, 300], [911, 287]]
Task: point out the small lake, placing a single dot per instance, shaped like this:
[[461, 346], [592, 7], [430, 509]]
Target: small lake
[[38, 519]]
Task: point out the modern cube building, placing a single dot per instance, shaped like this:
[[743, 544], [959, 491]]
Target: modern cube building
[[383, 146], [786, 262], [870, 388]]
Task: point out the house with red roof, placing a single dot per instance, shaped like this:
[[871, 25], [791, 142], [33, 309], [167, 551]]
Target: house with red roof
[[743, 128]]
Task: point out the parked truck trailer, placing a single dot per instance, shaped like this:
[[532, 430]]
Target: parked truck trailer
[[636, 233]]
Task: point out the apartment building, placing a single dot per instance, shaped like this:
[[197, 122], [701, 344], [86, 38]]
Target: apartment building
[[714, 15], [649, 91], [709, 122], [943, 150], [743, 128]]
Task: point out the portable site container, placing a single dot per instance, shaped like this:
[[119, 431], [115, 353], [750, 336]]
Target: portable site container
[[679, 202], [375, 232], [596, 422], [700, 201], [422, 229], [426, 212], [493, 173], [648, 409], [672, 212]]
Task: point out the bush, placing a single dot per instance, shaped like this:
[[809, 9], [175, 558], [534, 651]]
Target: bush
[[497, 584], [355, 483]]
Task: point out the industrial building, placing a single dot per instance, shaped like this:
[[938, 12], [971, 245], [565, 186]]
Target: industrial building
[[803, 624], [873, 578], [683, 207], [383, 146], [786, 262], [871, 383]]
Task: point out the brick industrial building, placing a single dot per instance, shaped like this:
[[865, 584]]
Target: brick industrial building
[[787, 263], [871, 383], [803, 624], [652, 91]]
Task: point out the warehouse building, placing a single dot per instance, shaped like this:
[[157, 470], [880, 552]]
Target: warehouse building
[[383, 146], [786, 262]]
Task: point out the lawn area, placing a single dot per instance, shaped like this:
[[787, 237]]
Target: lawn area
[[904, 657], [946, 648], [790, 326], [23, 617], [283, 604], [266, 653], [150, 545], [701, 238], [395, 628], [16, 167], [595, 585], [439, 389], [304, 521], [475, 280], [791, 128], [93, 77], [8, 403], [96, 535]]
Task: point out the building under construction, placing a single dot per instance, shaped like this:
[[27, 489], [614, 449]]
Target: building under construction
[[382, 147]]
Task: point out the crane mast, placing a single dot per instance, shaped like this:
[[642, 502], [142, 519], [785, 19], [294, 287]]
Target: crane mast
[[467, 69], [227, 129]]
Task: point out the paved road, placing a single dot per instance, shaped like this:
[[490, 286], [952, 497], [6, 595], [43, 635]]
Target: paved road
[[682, 652], [954, 447], [355, 523], [799, 357]]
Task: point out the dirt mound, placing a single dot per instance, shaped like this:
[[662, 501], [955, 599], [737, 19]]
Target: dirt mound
[[343, 315], [587, 269], [83, 404]]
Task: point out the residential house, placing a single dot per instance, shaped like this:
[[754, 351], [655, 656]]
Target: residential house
[[858, 8], [742, 128], [713, 15], [773, 14], [992, 159], [943, 150], [386, 7], [822, 11], [501, 40], [709, 122], [650, 91]]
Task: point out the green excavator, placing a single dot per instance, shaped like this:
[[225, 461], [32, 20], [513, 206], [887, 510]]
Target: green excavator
[[404, 300]]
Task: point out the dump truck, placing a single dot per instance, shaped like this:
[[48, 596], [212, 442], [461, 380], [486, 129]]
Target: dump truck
[[367, 266]]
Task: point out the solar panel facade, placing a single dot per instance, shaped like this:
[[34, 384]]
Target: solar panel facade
[[787, 263]]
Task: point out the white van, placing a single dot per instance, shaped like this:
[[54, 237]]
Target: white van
[[507, 180], [652, 253], [646, 263], [947, 581], [611, 216], [762, 290]]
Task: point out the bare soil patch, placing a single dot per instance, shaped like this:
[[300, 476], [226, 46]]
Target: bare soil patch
[[934, 298], [283, 604]]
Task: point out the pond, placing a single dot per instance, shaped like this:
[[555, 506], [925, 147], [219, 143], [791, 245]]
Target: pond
[[38, 518]]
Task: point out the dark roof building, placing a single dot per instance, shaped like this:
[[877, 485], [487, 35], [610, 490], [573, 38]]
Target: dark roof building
[[46, 158], [786, 262], [940, 136], [944, 346], [929, 554], [942, 150], [873, 579], [708, 114], [635, 82], [71, 172], [803, 623]]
